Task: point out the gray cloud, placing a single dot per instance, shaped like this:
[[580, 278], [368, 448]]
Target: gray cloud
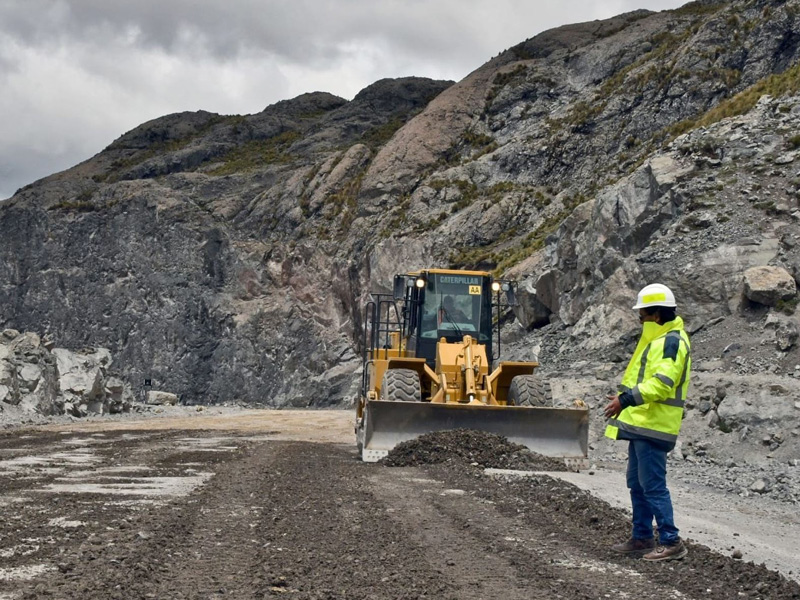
[[301, 31], [76, 74]]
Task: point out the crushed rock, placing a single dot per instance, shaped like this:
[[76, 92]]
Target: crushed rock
[[485, 449]]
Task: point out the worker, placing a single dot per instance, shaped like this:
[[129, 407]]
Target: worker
[[647, 412]]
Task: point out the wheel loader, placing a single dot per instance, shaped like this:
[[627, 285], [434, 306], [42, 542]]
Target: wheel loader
[[429, 364]]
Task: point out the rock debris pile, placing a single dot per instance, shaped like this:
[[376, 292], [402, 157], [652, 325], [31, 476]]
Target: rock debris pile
[[38, 379], [468, 446]]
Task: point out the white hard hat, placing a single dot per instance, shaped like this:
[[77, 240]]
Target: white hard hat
[[655, 294]]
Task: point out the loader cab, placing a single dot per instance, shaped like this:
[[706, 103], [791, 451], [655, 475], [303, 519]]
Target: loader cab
[[445, 304]]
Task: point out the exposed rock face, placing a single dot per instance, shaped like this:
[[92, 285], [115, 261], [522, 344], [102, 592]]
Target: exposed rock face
[[59, 382], [228, 258], [198, 281]]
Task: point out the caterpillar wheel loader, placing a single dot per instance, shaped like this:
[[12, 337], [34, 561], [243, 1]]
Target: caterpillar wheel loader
[[429, 365]]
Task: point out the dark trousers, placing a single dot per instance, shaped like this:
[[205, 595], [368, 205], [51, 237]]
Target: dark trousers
[[647, 480]]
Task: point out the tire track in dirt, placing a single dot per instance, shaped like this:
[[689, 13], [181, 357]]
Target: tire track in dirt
[[443, 522], [211, 548], [580, 530], [278, 519], [328, 536], [490, 555]]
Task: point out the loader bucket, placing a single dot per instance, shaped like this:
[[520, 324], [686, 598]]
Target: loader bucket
[[555, 432]]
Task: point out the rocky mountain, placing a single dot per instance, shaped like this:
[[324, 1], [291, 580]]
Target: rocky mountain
[[228, 257]]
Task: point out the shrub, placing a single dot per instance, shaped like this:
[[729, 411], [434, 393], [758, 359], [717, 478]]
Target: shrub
[[74, 206], [257, 153], [776, 85], [378, 136], [788, 306]]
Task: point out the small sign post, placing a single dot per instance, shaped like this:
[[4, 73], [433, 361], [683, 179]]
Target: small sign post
[[148, 384]]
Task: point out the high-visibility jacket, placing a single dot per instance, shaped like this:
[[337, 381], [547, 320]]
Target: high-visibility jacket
[[657, 378]]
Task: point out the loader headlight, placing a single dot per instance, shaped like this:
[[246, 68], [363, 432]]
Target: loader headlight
[[420, 282], [495, 286]]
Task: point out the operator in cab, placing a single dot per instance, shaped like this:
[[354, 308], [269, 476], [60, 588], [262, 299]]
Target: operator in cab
[[450, 313]]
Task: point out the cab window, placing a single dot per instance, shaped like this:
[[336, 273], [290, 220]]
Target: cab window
[[454, 305]]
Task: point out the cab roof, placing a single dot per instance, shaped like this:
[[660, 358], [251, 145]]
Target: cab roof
[[450, 272]]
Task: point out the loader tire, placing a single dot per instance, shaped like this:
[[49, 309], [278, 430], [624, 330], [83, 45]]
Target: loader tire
[[401, 385], [530, 390]]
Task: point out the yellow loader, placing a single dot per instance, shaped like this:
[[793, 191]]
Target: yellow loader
[[429, 357]]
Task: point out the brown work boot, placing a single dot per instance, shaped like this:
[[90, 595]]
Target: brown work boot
[[635, 547], [674, 552]]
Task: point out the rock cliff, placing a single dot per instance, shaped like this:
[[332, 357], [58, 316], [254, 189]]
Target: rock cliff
[[228, 257]]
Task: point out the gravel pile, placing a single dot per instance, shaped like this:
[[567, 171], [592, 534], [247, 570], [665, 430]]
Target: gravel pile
[[484, 449]]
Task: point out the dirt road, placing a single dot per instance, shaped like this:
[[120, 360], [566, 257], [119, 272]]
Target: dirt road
[[275, 504]]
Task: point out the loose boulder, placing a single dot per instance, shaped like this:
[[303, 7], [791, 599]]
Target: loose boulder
[[768, 285], [786, 335], [82, 377], [160, 398], [530, 311], [748, 411], [119, 397]]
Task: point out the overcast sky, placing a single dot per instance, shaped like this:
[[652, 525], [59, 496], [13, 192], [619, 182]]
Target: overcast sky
[[77, 74]]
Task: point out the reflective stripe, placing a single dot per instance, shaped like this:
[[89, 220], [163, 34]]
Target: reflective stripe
[[652, 433], [678, 400], [654, 298], [643, 364], [637, 396], [686, 361], [664, 379], [672, 402]]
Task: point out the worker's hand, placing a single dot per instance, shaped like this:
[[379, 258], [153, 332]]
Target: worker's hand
[[613, 408]]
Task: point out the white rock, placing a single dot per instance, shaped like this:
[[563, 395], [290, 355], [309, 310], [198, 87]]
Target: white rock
[[30, 376], [80, 374], [157, 397], [785, 159]]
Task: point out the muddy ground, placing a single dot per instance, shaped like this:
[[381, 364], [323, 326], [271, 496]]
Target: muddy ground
[[248, 507]]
